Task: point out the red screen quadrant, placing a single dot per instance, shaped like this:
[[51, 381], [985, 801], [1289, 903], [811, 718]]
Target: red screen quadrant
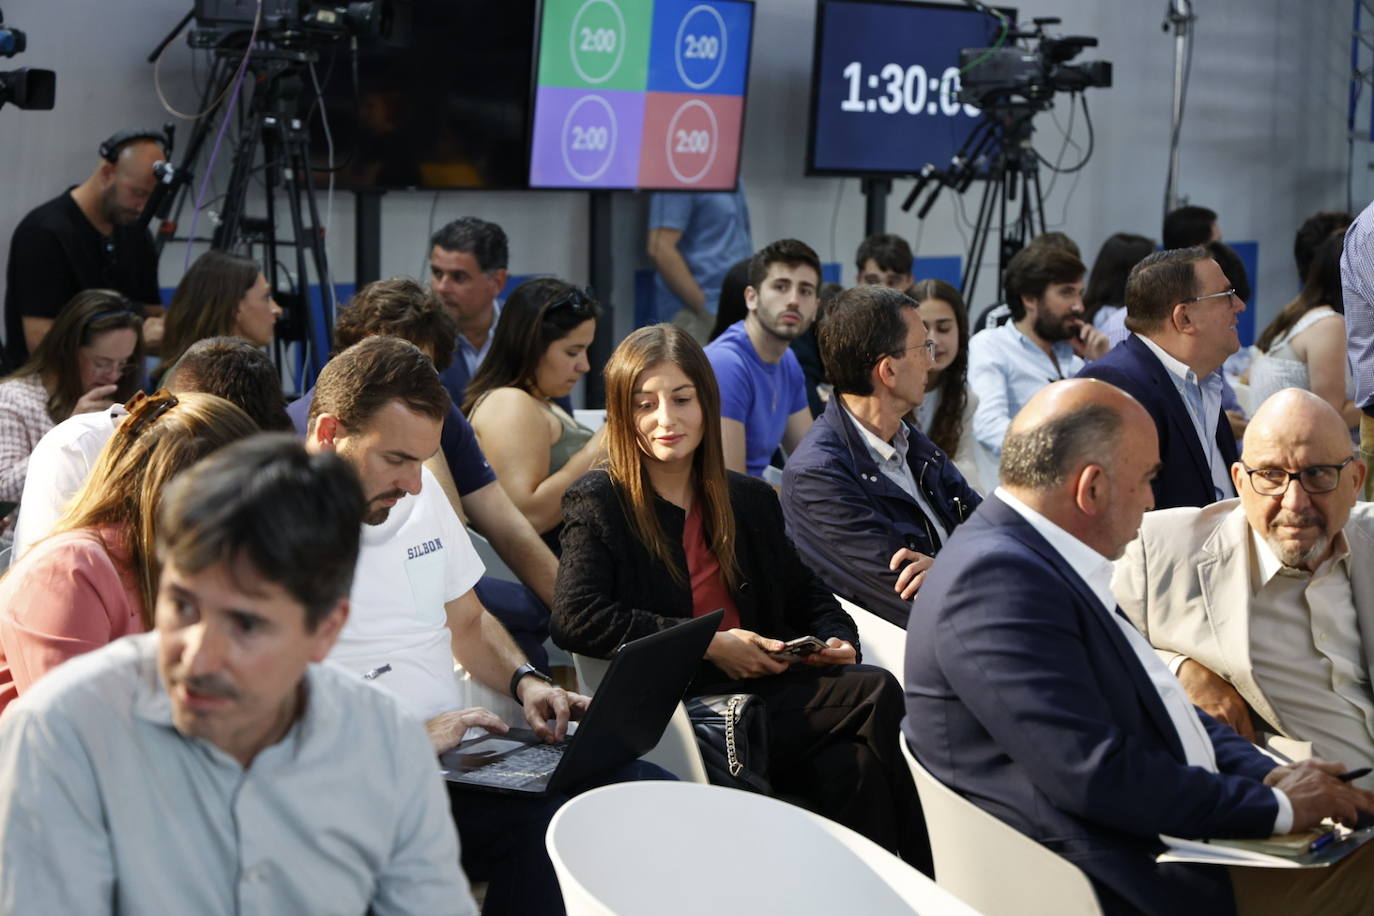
[[690, 141]]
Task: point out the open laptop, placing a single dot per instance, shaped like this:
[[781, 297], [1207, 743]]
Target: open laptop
[[643, 685]]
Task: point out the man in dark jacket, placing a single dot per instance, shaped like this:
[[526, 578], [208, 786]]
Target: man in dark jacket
[[867, 497]]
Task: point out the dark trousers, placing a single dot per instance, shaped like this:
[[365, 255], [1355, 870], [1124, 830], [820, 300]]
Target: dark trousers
[[503, 841], [521, 613], [832, 746]]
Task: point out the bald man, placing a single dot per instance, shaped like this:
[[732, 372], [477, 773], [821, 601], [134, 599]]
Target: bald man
[[85, 238], [1031, 695], [1258, 603]]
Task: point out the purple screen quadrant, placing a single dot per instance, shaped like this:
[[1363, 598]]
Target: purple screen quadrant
[[586, 138]]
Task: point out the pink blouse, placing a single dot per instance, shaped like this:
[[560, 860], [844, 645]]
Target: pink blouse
[[66, 596]]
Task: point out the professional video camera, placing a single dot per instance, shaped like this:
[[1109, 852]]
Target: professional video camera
[[295, 23], [27, 87], [1034, 73]]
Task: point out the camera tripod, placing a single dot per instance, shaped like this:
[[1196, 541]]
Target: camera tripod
[[999, 151]]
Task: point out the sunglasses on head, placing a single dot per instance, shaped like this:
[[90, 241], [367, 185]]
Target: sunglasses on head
[[577, 301]]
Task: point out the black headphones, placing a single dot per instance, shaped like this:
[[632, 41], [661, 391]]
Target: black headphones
[[109, 150]]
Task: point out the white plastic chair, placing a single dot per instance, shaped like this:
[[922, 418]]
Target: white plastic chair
[[679, 849], [992, 866], [884, 643], [677, 750]]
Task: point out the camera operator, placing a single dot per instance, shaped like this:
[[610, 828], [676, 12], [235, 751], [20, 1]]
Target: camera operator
[[86, 238]]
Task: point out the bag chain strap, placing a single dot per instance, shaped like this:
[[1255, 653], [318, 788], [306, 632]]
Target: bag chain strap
[[731, 717]]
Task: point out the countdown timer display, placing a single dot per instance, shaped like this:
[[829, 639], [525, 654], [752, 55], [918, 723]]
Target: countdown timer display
[[885, 84], [640, 94]]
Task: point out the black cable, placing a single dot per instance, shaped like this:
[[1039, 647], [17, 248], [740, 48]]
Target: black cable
[[1087, 117]]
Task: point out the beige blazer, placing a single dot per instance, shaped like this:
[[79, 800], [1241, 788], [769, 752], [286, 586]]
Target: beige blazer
[[1185, 583]]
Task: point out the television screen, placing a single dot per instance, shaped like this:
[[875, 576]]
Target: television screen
[[448, 110], [640, 94], [884, 85]]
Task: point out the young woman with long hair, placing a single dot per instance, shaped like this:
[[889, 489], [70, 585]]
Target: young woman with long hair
[[90, 358], [946, 414], [94, 578], [1105, 294], [538, 353], [664, 533], [222, 295]]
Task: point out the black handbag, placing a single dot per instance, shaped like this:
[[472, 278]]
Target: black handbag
[[732, 733]]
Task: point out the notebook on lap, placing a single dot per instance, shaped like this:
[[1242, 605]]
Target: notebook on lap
[[643, 685]]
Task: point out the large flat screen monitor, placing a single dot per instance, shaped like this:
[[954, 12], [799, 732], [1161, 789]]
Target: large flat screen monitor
[[640, 94], [449, 110], [884, 84]]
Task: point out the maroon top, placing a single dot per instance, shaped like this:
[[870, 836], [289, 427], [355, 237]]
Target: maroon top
[[708, 588]]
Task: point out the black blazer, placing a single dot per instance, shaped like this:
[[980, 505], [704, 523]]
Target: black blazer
[[610, 590], [1186, 478]]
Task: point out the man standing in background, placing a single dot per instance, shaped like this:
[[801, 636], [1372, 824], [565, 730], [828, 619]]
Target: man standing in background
[[694, 238]]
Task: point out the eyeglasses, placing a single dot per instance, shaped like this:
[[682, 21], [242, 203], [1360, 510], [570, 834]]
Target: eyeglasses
[[927, 345], [577, 301], [144, 410], [1316, 479], [103, 364], [1226, 293]]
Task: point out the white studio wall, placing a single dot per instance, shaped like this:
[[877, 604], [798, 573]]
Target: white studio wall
[[1264, 140]]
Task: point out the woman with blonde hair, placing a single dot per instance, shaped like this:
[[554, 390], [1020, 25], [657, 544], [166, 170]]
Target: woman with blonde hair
[[94, 579], [664, 533]]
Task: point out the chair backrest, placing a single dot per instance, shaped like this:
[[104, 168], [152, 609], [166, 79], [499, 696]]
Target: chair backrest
[[677, 750], [675, 849], [992, 866], [884, 643]]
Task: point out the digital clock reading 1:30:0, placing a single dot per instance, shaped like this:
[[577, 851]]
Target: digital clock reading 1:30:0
[[894, 89]]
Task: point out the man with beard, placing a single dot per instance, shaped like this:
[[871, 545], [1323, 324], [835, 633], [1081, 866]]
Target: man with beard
[[86, 238], [762, 388], [1182, 311], [1045, 340], [1258, 603]]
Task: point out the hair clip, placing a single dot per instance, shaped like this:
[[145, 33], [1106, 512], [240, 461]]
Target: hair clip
[[144, 409]]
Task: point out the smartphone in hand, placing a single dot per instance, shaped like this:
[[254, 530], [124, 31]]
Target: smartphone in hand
[[801, 647]]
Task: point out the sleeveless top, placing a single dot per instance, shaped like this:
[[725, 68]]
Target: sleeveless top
[[1281, 368], [570, 440]]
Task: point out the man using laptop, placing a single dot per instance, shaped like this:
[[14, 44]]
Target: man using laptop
[[380, 406], [211, 766]]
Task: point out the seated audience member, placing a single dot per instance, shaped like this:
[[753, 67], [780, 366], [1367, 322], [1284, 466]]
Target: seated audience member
[[884, 260], [222, 295], [1114, 326], [1105, 294], [1258, 603], [1357, 271], [1314, 230], [1046, 339], [1183, 312], [762, 389], [1304, 346], [400, 307], [1029, 694], [666, 533], [212, 765], [227, 367], [1188, 227], [468, 261], [945, 414], [868, 498], [730, 307], [413, 612], [539, 353], [90, 358], [807, 350], [95, 578], [1000, 313]]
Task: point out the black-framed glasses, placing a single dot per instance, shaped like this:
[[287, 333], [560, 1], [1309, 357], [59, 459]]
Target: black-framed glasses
[[1227, 293], [577, 301], [1316, 479]]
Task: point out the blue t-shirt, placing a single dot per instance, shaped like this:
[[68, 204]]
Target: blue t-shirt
[[758, 394], [458, 442], [715, 236]]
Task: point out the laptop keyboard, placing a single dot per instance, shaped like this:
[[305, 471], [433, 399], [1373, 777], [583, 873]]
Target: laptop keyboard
[[522, 767]]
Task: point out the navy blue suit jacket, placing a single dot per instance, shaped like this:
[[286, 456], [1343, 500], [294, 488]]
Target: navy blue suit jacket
[[1024, 696], [847, 518], [1185, 479]]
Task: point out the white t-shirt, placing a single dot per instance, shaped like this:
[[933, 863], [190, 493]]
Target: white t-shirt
[[409, 567], [58, 466]]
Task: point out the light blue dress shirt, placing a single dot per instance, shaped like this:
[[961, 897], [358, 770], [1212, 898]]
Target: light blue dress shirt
[[1203, 401], [1005, 369], [1357, 288]]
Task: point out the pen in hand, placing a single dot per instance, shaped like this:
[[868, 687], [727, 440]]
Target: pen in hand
[[1361, 773]]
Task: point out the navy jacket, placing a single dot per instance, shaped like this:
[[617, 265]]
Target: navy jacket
[[847, 519], [1185, 479], [1024, 696]]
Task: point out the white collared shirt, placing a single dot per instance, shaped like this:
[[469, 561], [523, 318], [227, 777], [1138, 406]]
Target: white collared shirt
[[1204, 424], [890, 457], [1096, 571]]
